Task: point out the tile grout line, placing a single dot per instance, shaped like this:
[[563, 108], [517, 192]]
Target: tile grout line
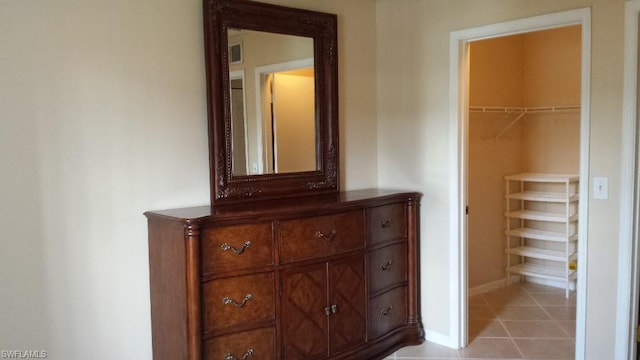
[[555, 321], [512, 339], [509, 333], [517, 348]]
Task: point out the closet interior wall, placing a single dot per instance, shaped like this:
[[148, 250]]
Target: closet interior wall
[[538, 69]]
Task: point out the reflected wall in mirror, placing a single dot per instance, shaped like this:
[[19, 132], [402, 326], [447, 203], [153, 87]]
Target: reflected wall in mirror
[[272, 101], [273, 108]]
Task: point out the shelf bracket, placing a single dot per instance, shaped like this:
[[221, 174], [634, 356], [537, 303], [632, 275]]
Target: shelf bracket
[[510, 125]]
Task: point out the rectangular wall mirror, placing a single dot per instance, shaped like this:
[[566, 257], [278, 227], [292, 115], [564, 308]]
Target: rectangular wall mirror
[[272, 101]]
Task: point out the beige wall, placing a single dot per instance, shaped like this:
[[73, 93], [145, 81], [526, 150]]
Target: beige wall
[[552, 62], [413, 136], [102, 117], [552, 77], [496, 79], [489, 161], [497, 72]]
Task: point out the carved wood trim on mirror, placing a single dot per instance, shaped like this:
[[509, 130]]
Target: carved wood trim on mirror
[[260, 177]]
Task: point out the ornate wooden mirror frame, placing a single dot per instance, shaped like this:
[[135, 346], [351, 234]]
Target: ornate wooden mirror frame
[[219, 17]]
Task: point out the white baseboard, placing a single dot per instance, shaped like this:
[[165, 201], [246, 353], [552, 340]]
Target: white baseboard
[[437, 338], [481, 289], [552, 283]]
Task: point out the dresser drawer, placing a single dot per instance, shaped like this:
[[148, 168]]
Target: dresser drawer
[[254, 344], [237, 300], [387, 312], [321, 235], [387, 222], [237, 247], [387, 266]]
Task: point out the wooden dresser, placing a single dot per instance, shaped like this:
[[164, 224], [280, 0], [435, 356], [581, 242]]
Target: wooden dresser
[[328, 277]]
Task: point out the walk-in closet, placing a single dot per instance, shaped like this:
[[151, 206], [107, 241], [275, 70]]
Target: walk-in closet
[[523, 159]]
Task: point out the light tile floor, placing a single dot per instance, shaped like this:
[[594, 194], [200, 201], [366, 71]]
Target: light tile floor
[[522, 321]]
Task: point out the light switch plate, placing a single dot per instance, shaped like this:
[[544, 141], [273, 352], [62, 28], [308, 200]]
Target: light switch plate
[[601, 188]]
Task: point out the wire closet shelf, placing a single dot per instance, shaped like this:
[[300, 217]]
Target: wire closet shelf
[[521, 111]]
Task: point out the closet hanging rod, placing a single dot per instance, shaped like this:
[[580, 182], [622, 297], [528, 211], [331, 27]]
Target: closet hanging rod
[[523, 109]]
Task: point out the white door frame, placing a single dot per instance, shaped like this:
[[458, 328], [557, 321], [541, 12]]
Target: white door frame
[[627, 297], [458, 110]]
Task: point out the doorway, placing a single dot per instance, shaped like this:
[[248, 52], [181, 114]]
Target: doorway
[[293, 121], [461, 54], [524, 118]]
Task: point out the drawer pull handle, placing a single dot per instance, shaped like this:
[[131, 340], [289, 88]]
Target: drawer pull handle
[[331, 309], [246, 355], [226, 247], [386, 266], [385, 223], [228, 300], [329, 237], [386, 311]]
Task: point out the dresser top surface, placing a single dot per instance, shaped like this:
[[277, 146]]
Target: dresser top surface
[[356, 198]]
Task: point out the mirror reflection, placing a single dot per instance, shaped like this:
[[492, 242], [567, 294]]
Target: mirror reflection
[[272, 88]]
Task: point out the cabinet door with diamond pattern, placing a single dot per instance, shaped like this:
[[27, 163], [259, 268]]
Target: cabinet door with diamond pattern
[[304, 319], [347, 297]]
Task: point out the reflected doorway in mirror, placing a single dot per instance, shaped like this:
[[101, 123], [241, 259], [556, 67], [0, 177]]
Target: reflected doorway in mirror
[[286, 115]]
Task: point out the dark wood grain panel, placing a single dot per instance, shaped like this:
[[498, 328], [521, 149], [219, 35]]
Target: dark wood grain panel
[[168, 290], [218, 244], [304, 321], [387, 312], [259, 343], [258, 289], [386, 223], [387, 267], [321, 235], [347, 326]]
